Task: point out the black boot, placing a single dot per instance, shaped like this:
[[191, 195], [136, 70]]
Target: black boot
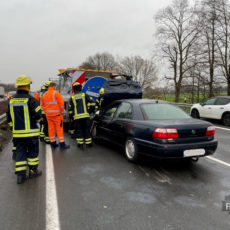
[[34, 173], [80, 146], [89, 145], [63, 145], [21, 178], [53, 145]]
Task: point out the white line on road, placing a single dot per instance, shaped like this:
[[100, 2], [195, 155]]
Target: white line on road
[[222, 128], [52, 215], [218, 161]]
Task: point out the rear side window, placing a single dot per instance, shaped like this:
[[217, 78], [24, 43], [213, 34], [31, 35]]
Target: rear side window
[[124, 111], [222, 101], [163, 112]]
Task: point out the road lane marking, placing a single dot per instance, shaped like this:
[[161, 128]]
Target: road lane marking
[[52, 214], [222, 128], [218, 161]]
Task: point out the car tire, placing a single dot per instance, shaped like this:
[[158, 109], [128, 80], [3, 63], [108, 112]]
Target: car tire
[[195, 114], [226, 119], [131, 150], [94, 134]]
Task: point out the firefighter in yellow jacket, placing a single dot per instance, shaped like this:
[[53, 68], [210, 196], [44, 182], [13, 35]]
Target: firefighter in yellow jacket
[[79, 112], [23, 114]]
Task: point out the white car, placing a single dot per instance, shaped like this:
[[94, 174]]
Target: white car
[[213, 108]]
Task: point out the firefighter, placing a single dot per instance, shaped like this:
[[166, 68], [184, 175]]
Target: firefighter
[[44, 135], [99, 100], [79, 104], [53, 105], [71, 122], [23, 114]]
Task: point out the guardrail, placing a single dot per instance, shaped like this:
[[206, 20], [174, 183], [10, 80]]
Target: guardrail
[[185, 106], [2, 118]]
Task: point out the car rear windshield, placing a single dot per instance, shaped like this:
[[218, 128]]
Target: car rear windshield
[[163, 112]]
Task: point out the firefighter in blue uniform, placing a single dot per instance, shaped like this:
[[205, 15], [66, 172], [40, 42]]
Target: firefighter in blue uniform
[[99, 100], [23, 114], [79, 111]]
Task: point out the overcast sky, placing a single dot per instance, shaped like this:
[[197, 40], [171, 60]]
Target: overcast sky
[[38, 37]]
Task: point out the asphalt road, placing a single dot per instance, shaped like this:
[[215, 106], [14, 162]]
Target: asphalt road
[[98, 189]]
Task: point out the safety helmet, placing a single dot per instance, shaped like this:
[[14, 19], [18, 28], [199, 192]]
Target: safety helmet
[[47, 83], [43, 87], [77, 86], [101, 91], [22, 80], [76, 83]]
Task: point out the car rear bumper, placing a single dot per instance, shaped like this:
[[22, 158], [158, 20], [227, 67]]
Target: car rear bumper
[[174, 150]]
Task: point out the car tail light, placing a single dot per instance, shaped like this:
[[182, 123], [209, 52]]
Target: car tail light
[[164, 133], [210, 131]]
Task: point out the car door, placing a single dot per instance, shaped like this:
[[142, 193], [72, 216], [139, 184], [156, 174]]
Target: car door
[[207, 107], [104, 122], [220, 107], [120, 121]]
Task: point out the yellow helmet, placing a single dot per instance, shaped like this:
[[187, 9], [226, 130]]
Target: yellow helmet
[[101, 91], [22, 80], [76, 83], [47, 83]]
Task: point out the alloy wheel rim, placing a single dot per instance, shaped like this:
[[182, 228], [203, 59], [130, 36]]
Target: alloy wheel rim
[[130, 149]]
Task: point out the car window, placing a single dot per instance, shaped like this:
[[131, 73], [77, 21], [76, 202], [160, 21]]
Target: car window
[[163, 112], [210, 101], [110, 112], [124, 111], [222, 101]]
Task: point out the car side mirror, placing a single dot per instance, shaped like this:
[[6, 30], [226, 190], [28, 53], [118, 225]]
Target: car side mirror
[[202, 103]]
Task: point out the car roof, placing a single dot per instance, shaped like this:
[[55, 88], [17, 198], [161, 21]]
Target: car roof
[[142, 101]]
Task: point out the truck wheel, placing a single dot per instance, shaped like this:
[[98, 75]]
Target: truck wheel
[[195, 114], [226, 119], [131, 150]]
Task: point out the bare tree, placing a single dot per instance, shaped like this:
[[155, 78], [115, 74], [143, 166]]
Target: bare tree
[[208, 21], [223, 40], [101, 61], [177, 33], [87, 65], [142, 70]]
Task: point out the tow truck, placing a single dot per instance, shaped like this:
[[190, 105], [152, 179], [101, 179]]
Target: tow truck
[[67, 77]]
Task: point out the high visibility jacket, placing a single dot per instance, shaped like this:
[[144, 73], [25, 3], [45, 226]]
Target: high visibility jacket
[[40, 96], [52, 102], [36, 96], [78, 106], [23, 114]]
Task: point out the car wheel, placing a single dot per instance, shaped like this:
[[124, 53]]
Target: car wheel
[[226, 119], [94, 132], [195, 114], [131, 150]]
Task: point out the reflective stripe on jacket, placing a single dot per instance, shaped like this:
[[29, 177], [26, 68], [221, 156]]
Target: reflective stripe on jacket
[[52, 102], [23, 114]]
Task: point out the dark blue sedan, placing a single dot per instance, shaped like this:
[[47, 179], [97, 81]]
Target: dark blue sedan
[[155, 128]]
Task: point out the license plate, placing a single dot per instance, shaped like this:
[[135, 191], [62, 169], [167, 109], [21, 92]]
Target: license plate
[[194, 152]]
